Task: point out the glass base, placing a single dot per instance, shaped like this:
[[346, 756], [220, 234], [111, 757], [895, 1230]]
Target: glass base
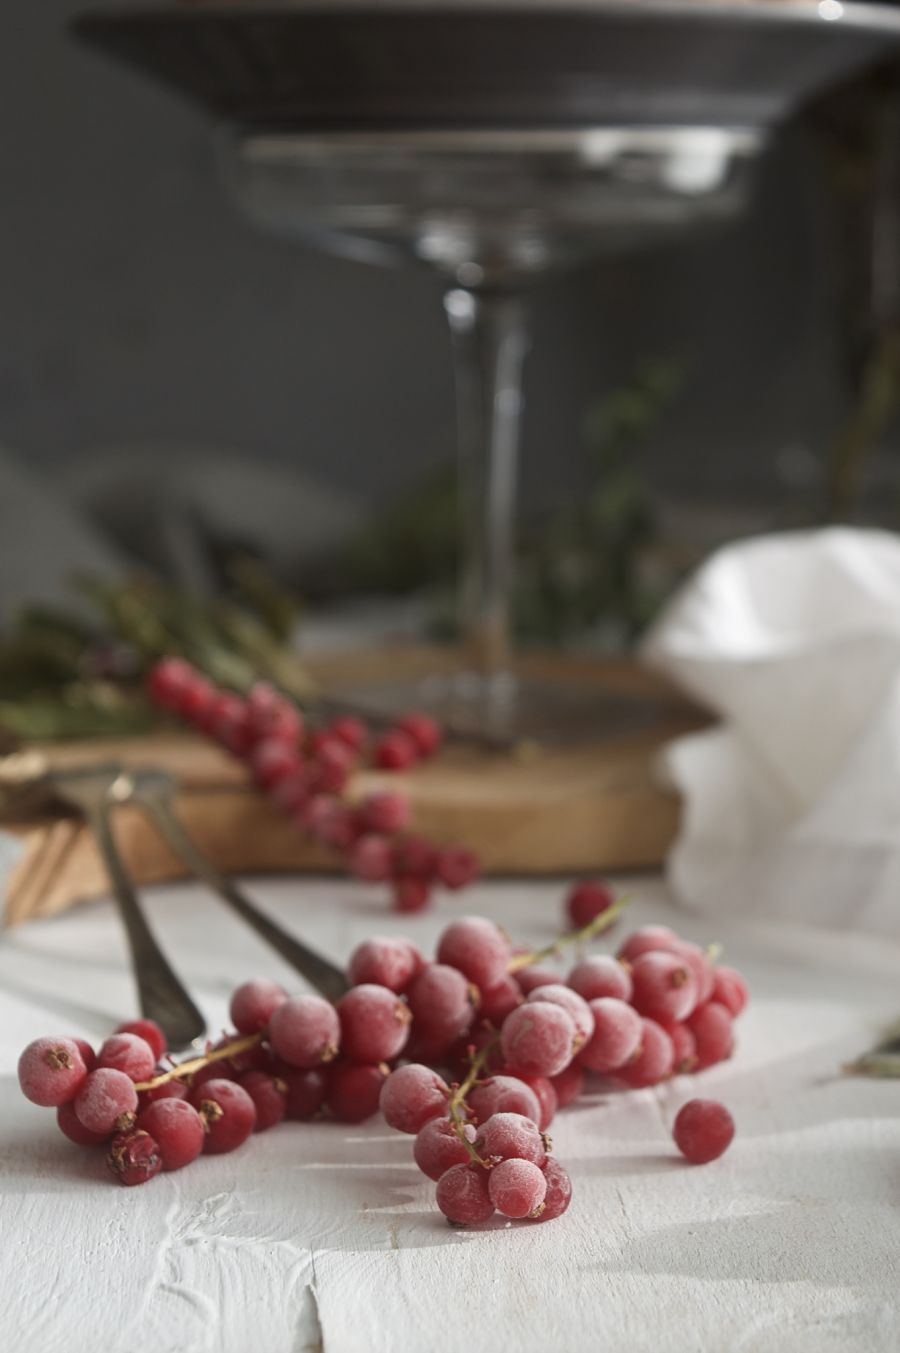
[[504, 710]]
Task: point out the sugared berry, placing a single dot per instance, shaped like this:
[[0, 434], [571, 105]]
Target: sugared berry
[[568, 1085], [411, 1096], [462, 1195], [178, 1130], [546, 1096], [499, 1001], [505, 1136], [371, 858], [305, 1031], [478, 948], [586, 901], [441, 1002], [616, 1037], [270, 1098], [391, 963], [664, 986], [730, 990], [149, 1030], [374, 1023], [354, 1089], [601, 975], [504, 1094], [386, 812], [529, 979], [128, 1053], [106, 1101], [228, 1112], [655, 1059], [517, 1188], [559, 1190], [538, 1038], [575, 1006], [71, 1126], [703, 1130], [51, 1071], [438, 1147], [254, 1003], [711, 1025], [457, 867]]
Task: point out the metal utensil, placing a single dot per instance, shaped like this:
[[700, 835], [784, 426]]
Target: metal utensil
[[93, 792], [154, 792]]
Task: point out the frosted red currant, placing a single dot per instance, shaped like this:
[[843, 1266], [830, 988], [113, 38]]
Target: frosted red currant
[[601, 975], [457, 867], [128, 1053], [411, 895], [424, 731], [386, 813], [178, 1130], [354, 1089], [167, 681], [89, 1056], [305, 1092], [655, 1059], [106, 1101], [254, 1003], [711, 1025], [271, 715], [441, 1001], [529, 979], [414, 858], [684, 1047], [701, 967], [305, 1031], [270, 1098], [371, 858], [374, 1023], [391, 963], [71, 1126], [174, 1089], [462, 1195], [395, 751], [511, 1135], [649, 937], [352, 732], [559, 1190], [730, 990], [586, 901], [538, 1038], [503, 1094], [272, 760], [703, 1130], [411, 1096], [228, 1113], [568, 1084], [545, 1093], [517, 1188], [149, 1030], [134, 1157], [499, 1001], [664, 986], [437, 1147], [333, 766], [51, 1071], [575, 1006], [616, 1037], [478, 948]]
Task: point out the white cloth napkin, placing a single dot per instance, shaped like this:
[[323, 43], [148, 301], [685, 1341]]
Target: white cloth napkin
[[792, 803]]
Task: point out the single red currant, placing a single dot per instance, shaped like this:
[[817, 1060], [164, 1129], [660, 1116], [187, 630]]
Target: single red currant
[[411, 1096], [703, 1130], [462, 1195], [517, 1188], [134, 1157], [178, 1130], [51, 1071], [228, 1113], [254, 1003]]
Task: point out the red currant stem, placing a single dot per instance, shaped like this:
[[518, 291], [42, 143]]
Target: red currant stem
[[220, 1054], [456, 1103], [714, 951], [582, 936]]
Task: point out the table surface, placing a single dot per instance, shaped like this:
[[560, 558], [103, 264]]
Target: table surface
[[322, 1236]]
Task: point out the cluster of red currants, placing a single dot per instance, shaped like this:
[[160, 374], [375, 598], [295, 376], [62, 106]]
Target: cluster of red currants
[[515, 1044], [305, 775]]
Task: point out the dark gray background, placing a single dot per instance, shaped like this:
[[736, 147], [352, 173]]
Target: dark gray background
[[136, 307]]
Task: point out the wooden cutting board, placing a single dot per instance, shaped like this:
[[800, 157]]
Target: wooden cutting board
[[594, 806]]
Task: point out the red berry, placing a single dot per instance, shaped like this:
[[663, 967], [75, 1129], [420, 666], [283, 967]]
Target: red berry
[[685, 1048], [89, 1057], [254, 1003], [229, 726], [616, 1037], [559, 1190], [711, 1026], [650, 937], [438, 1147], [270, 1098], [499, 1001], [586, 901], [456, 867], [51, 1071], [531, 978], [701, 967], [149, 1030], [601, 975], [228, 1112], [441, 1002], [174, 1089], [167, 680], [411, 1096], [374, 1023], [504, 1094], [305, 1092], [395, 751], [463, 1196], [178, 1130], [292, 792], [386, 812], [305, 1031], [478, 948], [411, 895], [568, 1085], [730, 990], [271, 715], [134, 1157], [106, 1101], [543, 1090], [71, 1127], [128, 1053], [505, 1136], [329, 821], [517, 1188], [352, 732], [655, 1059], [333, 766], [371, 858], [391, 963], [272, 760], [665, 988], [703, 1130], [539, 1038], [575, 1006], [197, 700], [354, 1090], [424, 731], [414, 858]]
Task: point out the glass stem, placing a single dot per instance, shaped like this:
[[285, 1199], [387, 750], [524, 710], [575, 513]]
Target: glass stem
[[490, 340]]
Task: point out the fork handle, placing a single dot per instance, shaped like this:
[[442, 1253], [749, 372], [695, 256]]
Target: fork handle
[[161, 995], [326, 977]]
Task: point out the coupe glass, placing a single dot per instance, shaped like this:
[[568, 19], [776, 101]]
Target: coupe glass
[[492, 213]]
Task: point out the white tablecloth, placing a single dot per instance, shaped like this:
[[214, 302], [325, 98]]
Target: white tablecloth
[[320, 1236]]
